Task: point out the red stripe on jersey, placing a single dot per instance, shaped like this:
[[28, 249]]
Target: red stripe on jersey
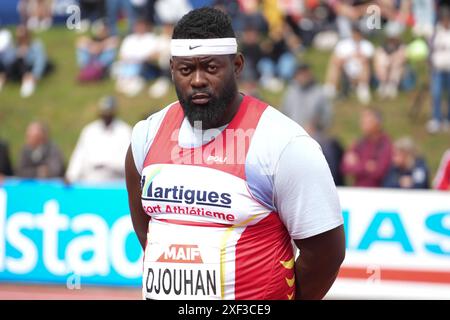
[[265, 262]]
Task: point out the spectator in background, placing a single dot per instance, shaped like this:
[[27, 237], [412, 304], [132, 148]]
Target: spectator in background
[[36, 14], [424, 17], [160, 67], [96, 54], [368, 160], [138, 57], [304, 100], [348, 12], [278, 65], [30, 62], [442, 179], [251, 14], [7, 54], [389, 63], [5, 161], [440, 69], [408, 170], [100, 151], [40, 157], [251, 49], [114, 8], [351, 58]]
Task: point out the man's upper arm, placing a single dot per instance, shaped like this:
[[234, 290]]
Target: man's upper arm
[[304, 191], [138, 217]]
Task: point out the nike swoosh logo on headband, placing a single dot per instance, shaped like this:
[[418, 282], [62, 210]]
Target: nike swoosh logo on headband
[[193, 47]]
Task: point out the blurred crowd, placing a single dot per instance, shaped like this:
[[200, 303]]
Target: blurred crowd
[[129, 41]]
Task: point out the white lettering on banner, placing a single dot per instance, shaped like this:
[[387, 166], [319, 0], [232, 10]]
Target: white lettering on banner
[[121, 229], [23, 244], [51, 223], [97, 243]]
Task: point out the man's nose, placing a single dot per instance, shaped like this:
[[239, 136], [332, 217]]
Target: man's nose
[[199, 79]]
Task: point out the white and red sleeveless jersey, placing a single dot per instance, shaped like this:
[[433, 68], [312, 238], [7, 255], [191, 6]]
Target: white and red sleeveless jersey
[[222, 221]]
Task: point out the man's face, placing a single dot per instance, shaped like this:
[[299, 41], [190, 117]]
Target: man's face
[[141, 27], [400, 158], [35, 135], [357, 35], [205, 86], [369, 123], [107, 117], [304, 77]]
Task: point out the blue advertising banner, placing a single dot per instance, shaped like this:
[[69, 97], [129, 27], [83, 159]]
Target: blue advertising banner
[[53, 233], [398, 242]]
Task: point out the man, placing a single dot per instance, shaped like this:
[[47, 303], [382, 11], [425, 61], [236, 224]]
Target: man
[[351, 58], [368, 161], [40, 158], [98, 155], [304, 101], [306, 104], [31, 62], [220, 183], [138, 59]]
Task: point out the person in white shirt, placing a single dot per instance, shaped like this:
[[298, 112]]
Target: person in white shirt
[[137, 49], [352, 57], [100, 151]]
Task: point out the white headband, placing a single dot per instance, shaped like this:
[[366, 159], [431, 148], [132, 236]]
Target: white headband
[[200, 47]]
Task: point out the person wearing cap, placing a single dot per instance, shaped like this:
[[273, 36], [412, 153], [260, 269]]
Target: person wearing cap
[[101, 148], [389, 62], [223, 188]]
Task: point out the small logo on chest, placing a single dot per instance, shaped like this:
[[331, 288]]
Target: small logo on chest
[[216, 159]]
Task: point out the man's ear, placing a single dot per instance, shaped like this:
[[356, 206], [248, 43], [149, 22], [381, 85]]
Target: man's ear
[[238, 63]]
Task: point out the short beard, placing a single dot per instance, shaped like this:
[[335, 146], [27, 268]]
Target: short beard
[[211, 114]]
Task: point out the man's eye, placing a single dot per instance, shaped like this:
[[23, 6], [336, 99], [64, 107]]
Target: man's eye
[[184, 70], [212, 68]]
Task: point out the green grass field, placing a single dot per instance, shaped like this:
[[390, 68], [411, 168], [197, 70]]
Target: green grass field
[[67, 106]]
